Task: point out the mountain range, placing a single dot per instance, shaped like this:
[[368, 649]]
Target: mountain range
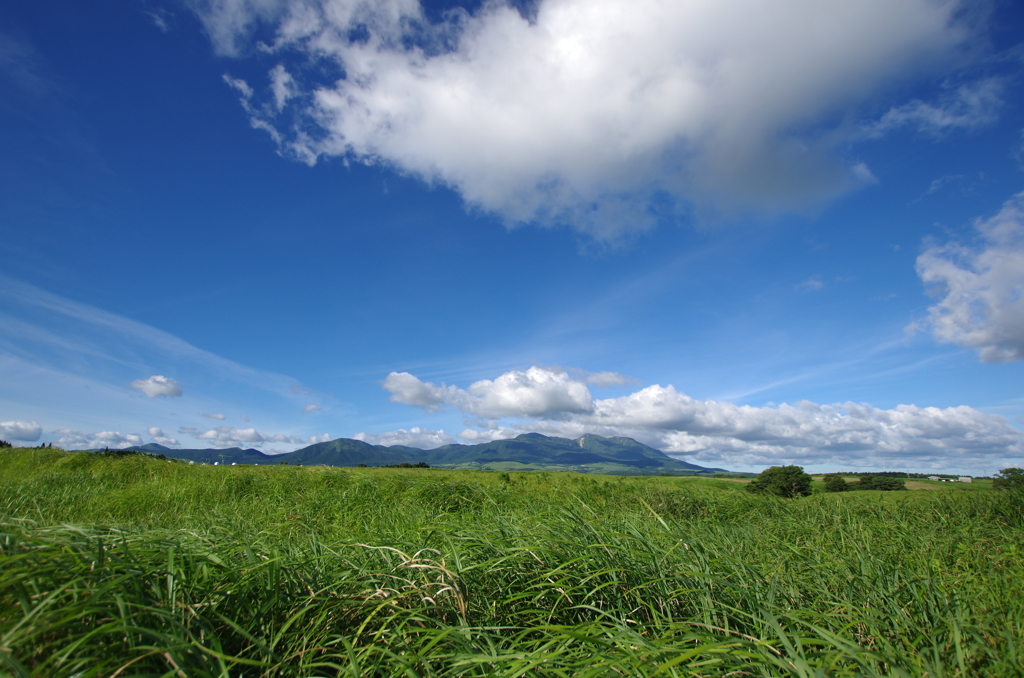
[[588, 454]]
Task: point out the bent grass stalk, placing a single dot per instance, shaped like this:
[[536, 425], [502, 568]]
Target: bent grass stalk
[[132, 566]]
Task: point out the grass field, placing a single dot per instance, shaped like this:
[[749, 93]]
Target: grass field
[[136, 566]]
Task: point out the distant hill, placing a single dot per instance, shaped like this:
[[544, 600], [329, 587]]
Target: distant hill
[[588, 454]]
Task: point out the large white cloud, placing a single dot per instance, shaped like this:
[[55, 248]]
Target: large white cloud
[[535, 392], [805, 432], [20, 430], [981, 290], [158, 386], [723, 433], [409, 390], [585, 111]]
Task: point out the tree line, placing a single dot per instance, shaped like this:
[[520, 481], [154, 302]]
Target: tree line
[[792, 481]]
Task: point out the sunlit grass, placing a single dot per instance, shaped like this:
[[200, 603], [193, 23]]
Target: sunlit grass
[[136, 566]]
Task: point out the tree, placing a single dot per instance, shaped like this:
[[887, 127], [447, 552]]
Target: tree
[[1009, 479], [782, 481], [872, 482], [835, 483]]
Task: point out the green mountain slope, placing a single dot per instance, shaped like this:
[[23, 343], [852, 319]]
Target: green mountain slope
[[588, 453]]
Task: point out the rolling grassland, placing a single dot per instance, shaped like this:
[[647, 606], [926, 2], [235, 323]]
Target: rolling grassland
[[136, 566]]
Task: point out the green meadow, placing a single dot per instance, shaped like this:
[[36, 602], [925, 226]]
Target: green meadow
[[137, 566]]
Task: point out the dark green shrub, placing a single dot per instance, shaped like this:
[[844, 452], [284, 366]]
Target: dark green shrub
[[782, 481], [835, 483], [1009, 479], [872, 482]]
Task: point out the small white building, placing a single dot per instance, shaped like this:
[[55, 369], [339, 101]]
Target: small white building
[[934, 478], [965, 479]]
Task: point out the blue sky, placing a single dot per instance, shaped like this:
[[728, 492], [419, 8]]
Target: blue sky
[[745, 234]]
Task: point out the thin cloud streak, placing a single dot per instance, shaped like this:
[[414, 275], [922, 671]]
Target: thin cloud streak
[[76, 368], [32, 299]]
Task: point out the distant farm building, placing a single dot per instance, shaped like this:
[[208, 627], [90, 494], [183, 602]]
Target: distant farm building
[[965, 479], [934, 478]]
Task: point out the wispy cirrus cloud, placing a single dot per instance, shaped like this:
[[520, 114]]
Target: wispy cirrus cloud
[[604, 379], [22, 66], [160, 18], [967, 106], [583, 112], [48, 329], [67, 364], [812, 284]]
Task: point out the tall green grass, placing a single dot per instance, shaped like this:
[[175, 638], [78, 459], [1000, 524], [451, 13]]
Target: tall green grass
[[136, 566]]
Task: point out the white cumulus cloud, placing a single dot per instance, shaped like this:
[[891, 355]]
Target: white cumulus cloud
[[312, 408], [409, 390], [980, 289], [805, 432], [586, 111], [423, 438], [547, 401], [20, 430], [78, 440], [157, 436], [535, 392], [157, 386]]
